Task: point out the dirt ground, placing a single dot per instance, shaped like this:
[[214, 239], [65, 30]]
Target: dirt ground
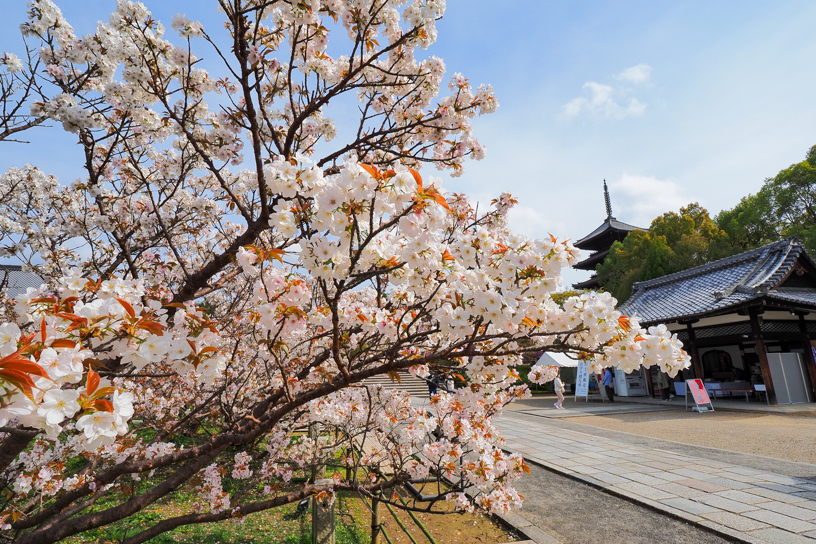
[[445, 528], [790, 437]]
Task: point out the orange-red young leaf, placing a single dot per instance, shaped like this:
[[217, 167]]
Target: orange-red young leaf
[[104, 392], [371, 170], [417, 178], [127, 306], [433, 193], [72, 317], [63, 343], [20, 380], [276, 254], [93, 381], [24, 365], [103, 405], [442, 202], [529, 322], [150, 326]]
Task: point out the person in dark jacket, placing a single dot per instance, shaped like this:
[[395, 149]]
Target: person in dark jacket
[[433, 384], [607, 383]]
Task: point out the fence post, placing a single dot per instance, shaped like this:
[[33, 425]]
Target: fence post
[[318, 471], [323, 517], [375, 520]]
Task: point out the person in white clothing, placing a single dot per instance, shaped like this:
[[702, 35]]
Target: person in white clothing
[[559, 390]]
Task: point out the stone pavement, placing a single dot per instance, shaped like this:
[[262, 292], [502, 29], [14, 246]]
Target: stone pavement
[[730, 404], [739, 502], [544, 408]]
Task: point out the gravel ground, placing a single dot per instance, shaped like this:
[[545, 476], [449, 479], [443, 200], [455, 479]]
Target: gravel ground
[[786, 437], [576, 513]]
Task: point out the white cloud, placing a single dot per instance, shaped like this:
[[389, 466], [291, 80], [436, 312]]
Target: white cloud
[[640, 73], [639, 199], [532, 222], [608, 102]]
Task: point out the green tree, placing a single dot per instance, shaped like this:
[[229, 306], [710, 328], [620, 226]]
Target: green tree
[[750, 223], [793, 200], [674, 242]]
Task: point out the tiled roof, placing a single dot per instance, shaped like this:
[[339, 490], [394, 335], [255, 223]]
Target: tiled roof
[[714, 287], [14, 281], [591, 283], [592, 261], [609, 224]]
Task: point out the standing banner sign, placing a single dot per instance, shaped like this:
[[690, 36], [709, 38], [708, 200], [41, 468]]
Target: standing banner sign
[[582, 381], [699, 395]]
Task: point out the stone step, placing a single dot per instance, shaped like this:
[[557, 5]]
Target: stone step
[[408, 382]]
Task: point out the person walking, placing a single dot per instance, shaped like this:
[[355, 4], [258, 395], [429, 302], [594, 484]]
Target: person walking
[[607, 383], [558, 385], [663, 385], [433, 384]]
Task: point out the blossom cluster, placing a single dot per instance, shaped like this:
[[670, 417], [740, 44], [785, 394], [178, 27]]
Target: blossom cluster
[[542, 374], [41, 372]]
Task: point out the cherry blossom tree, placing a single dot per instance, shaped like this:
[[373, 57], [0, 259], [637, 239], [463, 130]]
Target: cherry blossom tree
[[230, 271]]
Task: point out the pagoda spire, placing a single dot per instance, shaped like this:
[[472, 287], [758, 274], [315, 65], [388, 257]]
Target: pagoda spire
[[608, 201]]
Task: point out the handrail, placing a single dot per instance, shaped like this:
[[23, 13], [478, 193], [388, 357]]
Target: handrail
[[419, 522], [401, 524]]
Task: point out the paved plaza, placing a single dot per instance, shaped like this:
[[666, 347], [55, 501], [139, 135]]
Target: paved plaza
[[738, 501]]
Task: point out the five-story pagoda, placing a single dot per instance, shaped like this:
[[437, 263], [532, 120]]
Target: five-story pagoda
[[599, 242]]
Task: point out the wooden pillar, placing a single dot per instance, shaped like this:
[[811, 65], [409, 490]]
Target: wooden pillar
[[696, 363], [762, 354], [810, 362]]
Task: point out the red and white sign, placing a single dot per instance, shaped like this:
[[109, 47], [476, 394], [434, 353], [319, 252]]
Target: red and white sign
[[698, 392]]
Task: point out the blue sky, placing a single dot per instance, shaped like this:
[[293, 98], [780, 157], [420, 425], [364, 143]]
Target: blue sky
[[670, 102]]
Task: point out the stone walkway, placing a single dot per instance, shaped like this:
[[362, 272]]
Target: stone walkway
[[750, 505]]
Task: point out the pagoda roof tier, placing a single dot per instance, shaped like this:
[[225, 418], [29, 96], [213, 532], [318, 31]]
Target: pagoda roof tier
[[591, 283], [592, 261], [605, 235]]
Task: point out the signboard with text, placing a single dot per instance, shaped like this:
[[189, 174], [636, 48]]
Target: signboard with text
[[699, 395], [581, 380]]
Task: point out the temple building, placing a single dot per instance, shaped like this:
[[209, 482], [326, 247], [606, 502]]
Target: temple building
[[599, 242], [13, 281], [748, 321]]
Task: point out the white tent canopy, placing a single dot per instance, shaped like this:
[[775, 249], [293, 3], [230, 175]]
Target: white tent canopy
[[555, 358]]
